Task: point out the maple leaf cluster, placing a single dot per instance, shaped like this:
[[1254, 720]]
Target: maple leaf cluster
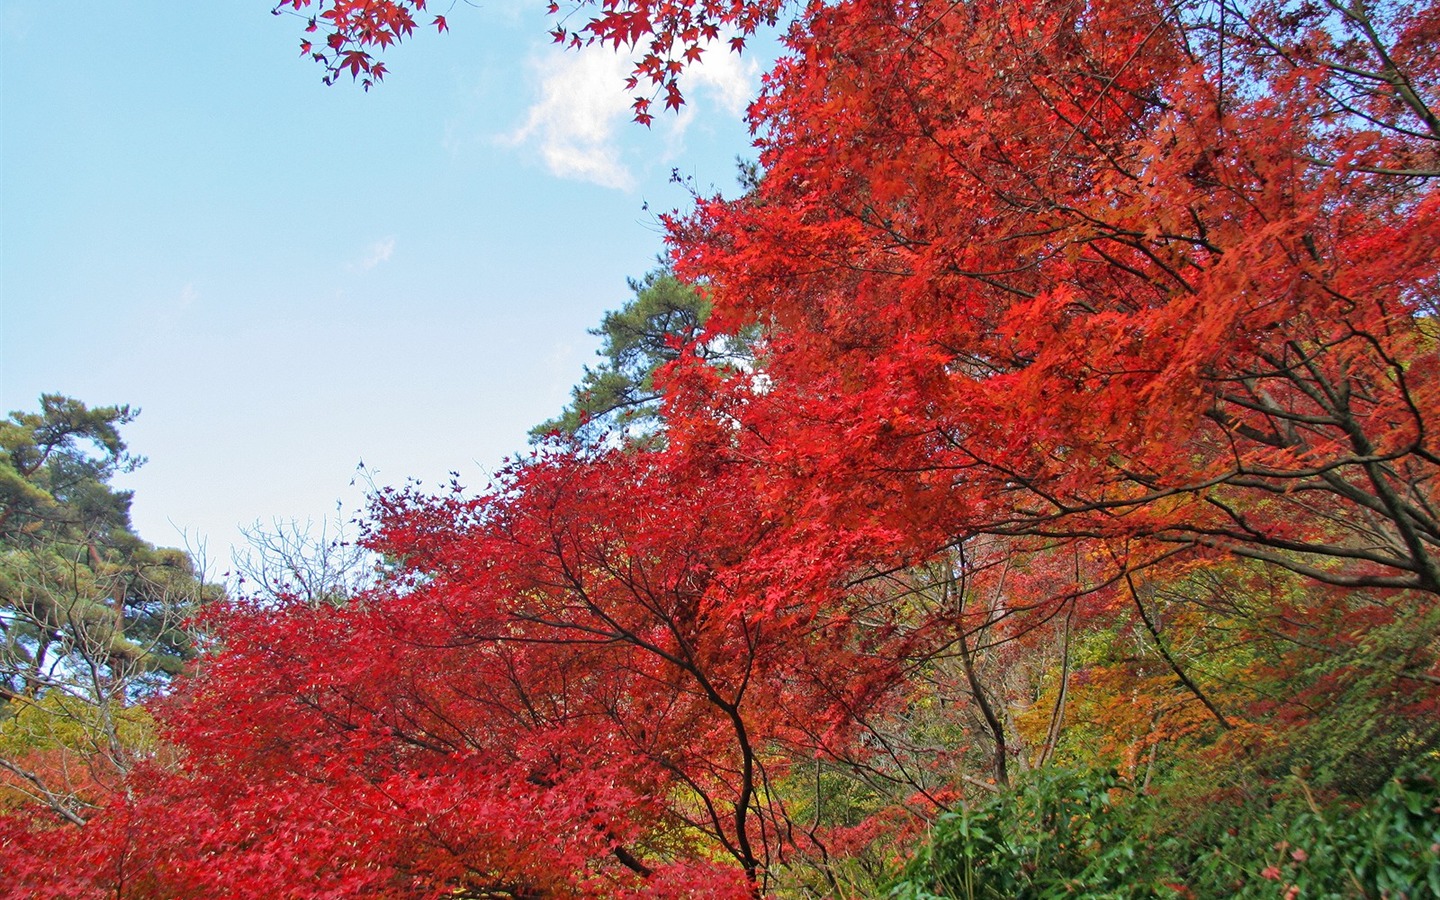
[[672, 33], [1088, 339], [353, 30], [1077, 288]]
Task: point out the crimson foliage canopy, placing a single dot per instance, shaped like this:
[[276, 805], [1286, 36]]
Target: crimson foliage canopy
[[1063, 313]]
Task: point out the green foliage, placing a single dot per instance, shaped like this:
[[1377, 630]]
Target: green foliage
[[62, 721], [55, 465], [618, 399], [92, 617], [1087, 834], [77, 585], [1062, 834], [619, 395], [1387, 846], [846, 851]]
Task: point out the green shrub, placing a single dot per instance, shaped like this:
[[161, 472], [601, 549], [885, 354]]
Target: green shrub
[[1088, 834]]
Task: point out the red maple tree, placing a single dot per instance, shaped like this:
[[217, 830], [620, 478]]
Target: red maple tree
[[574, 688], [1061, 305], [1101, 271], [674, 34]]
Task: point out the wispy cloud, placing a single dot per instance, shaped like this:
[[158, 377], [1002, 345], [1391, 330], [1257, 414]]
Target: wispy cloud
[[583, 105], [725, 77], [377, 253]]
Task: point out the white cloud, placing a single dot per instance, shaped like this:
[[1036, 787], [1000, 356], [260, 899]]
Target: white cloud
[[728, 78], [377, 253], [583, 107], [582, 104]]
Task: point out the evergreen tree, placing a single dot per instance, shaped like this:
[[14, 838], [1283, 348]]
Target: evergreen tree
[[618, 399], [92, 617]]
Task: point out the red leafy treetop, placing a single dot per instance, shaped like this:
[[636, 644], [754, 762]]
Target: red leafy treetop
[[351, 29], [578, 688], [1159, 276], [1059, 304], [674, 33]]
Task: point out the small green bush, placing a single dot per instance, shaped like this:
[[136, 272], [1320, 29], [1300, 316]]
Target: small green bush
[[1088, 834]]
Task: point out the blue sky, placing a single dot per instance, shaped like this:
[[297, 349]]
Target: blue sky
[[290, 279]]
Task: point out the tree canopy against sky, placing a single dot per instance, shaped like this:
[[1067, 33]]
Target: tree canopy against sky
[[171, 256], [667, 36], [1185, 301], [619, 397], [1090, 419], [92, 618]]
